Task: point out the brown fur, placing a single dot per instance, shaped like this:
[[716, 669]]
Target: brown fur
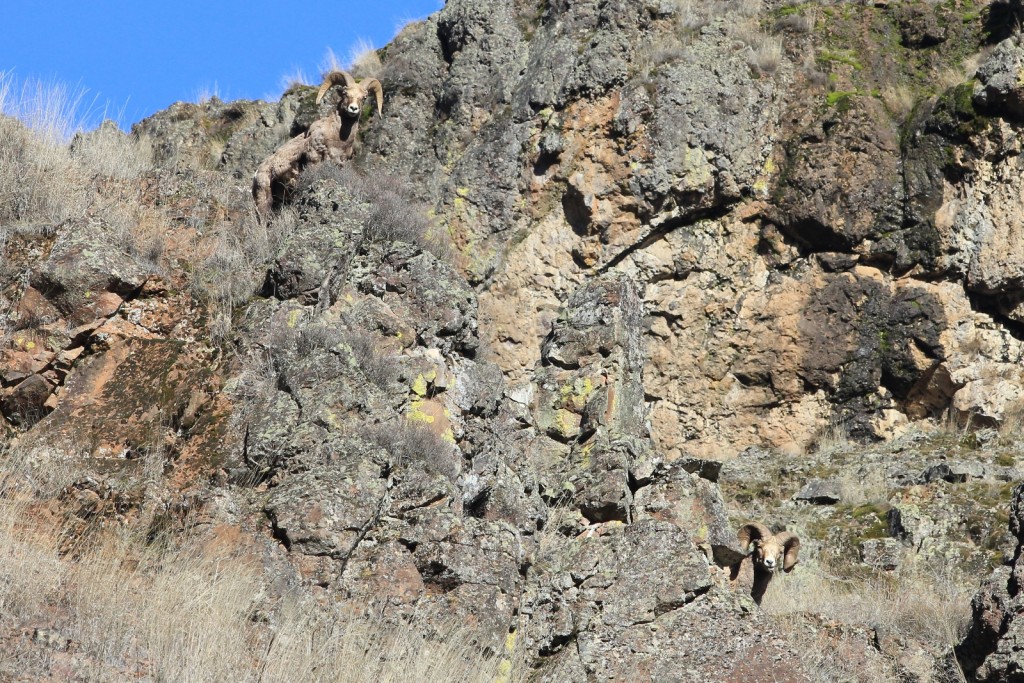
[[331, 138], [770, 553]]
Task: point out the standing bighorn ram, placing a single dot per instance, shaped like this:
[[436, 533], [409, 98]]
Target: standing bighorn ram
[[770, 552], [330, 138]]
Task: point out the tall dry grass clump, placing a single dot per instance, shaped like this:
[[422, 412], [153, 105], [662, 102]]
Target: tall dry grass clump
[[926, 604], [120, 604], [55, 174]]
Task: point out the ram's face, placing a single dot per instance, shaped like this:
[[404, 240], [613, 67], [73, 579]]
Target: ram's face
[[769, 554], [352, 100]]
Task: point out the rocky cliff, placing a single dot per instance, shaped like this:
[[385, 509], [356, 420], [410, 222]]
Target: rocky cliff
[[606, 279]]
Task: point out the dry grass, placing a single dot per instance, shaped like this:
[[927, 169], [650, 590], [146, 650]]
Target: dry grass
[[803, 21], [899, 101], [833, 438], [693, 15], [363, 60], [410, 443], [868, 486], [921, 604], [55, 178], [128, 607], [916, 601], [230, 265], [762, 51]]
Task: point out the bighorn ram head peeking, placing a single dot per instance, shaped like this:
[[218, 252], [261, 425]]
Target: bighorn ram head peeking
[[354, 94], [332, 137], [770, 553]]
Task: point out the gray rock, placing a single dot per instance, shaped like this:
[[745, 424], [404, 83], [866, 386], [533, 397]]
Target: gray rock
[[991, 650], [694, 505], [999, 89], [190, 136], [819, 492], [882, 553], [955, 472]]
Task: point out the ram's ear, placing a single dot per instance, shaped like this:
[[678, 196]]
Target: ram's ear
[[792, 545]]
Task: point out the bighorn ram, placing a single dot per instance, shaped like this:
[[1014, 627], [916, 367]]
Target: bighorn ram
[[770, 552], [330, 138]]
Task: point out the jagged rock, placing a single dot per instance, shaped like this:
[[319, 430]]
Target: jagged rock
[[259, 129], [999, 89], [828, 199], [882, 553], [629, 576], [83, 266], [694, 505], [955, 472], [316, 252], [991, 650], [479, 387], [919, 26], [190, 136], [590, 396], [25, 402], [325, 511], [819, 492]]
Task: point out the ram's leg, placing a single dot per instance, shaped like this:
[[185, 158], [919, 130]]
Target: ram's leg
[[261, 193]]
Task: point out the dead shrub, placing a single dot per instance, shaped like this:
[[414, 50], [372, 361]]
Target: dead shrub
[[377, 366], [409, 443], [395, 215]]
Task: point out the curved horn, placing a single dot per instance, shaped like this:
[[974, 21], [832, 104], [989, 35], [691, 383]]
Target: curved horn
[[373, 85], [752, 531], [334, 78], [791, 543]]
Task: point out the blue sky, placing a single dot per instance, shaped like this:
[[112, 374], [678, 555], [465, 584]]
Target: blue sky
[[130, 58]]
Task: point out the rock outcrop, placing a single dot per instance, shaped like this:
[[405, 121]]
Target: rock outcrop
[[606, 280]]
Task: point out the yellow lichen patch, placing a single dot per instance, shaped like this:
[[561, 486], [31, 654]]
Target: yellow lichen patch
[[585, 455], [576, 393], [462, 191], [567, 422], [422, 383], [332, 419], [449, 435], [416, 413], [762, 184], [294, 318], [697, 172]]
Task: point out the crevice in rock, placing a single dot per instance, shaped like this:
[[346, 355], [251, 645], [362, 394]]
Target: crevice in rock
[[557, 643], [279, 534], [669, 226], [989, 305], [439, 575], [369, 525], [477, 507]]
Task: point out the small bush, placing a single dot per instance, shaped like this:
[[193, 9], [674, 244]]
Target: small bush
[[55, 180], [379, 368], [410, 443], [395, 215]]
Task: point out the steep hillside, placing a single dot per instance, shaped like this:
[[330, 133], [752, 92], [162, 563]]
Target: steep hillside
[[606, 280]]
